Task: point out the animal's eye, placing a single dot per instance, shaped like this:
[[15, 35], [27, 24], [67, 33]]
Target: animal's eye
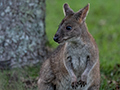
[[68, 28]]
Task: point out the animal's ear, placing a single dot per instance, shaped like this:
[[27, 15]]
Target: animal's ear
[[82, 13], [67, 10]]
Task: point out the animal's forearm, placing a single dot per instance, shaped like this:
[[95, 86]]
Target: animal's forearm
[[87, 71], [69, 67]]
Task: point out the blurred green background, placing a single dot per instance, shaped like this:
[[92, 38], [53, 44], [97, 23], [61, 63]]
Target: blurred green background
[[103, 23]]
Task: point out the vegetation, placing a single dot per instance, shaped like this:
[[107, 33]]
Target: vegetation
[[103, 23]]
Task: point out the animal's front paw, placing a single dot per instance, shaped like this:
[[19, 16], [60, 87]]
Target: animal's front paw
[[74, 85], [83, 80], [82, 83]]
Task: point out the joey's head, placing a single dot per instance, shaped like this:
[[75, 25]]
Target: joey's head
[[70, 26]]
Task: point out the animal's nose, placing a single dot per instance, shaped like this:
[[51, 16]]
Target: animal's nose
[[56, 37]]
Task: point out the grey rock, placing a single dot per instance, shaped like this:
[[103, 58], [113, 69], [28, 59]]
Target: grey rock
[[22, 32]]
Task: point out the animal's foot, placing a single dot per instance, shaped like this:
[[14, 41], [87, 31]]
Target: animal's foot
[[82, 83]]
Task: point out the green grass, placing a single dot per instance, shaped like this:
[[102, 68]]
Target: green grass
[[103, 22], [20, 78]]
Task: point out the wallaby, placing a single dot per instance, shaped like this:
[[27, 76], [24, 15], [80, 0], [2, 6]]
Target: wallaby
[[74, 65]]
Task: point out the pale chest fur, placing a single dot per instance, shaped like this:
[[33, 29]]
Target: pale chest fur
[[78, 51]]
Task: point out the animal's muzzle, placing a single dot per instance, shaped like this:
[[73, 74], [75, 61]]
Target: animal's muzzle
[[56, 38]]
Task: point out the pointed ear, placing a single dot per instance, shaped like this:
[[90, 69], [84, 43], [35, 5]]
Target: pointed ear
[[82, 13], [67, 10]]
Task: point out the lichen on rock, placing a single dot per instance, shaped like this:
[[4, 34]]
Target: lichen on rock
[[22, 32]]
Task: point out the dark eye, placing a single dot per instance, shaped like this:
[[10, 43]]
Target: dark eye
[[68, 27]]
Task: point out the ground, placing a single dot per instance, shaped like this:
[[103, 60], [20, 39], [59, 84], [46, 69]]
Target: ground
[[103, 23]]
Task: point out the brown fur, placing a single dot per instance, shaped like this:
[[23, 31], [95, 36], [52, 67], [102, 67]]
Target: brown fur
[[74, 65]]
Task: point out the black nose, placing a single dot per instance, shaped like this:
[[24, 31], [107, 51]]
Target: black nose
[[56, 37]]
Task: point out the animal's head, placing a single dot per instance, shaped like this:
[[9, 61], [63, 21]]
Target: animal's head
[[71, 24]]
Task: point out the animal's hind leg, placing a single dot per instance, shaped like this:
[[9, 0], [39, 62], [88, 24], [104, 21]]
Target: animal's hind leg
[[93, 88], [44, 86], [46, 77]]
